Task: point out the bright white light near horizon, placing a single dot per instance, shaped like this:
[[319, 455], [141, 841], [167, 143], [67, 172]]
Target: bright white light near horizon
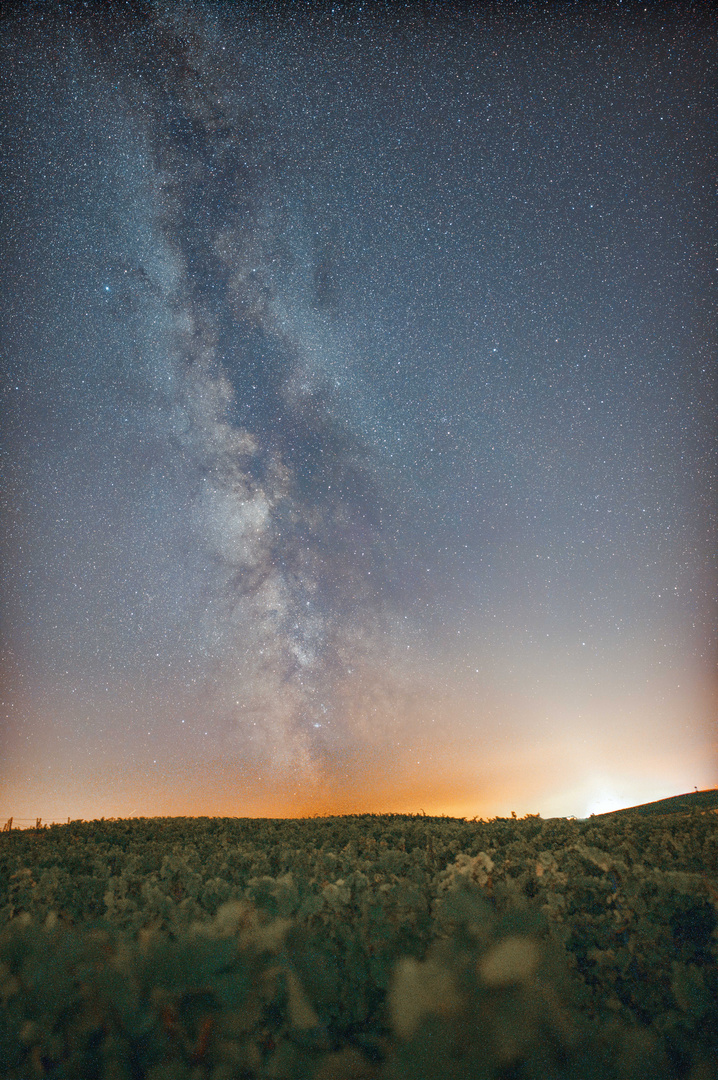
[[604, 801], [604, 794]]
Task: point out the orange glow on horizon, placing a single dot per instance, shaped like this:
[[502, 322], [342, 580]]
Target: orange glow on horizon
[[448, 790], [458, 757]]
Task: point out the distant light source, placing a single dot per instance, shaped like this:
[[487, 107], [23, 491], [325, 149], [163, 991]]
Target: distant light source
[[600, 792], [604, 803]]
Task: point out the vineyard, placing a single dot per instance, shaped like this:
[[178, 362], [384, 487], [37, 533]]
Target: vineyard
[[361, 948]]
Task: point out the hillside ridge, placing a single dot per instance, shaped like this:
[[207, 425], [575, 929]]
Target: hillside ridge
[[676, 804]]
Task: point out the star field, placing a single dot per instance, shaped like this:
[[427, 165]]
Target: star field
[[359, 385]]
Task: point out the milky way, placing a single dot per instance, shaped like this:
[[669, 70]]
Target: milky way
[[359, 409]]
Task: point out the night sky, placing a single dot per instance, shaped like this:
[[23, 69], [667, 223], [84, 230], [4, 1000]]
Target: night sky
[[358, 388]]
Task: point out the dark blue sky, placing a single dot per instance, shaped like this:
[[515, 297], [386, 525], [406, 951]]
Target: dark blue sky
[[359, 398]]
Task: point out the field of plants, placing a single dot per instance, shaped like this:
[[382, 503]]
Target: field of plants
[[361, 948]]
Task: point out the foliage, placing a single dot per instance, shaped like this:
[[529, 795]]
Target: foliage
[[391, 947]]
